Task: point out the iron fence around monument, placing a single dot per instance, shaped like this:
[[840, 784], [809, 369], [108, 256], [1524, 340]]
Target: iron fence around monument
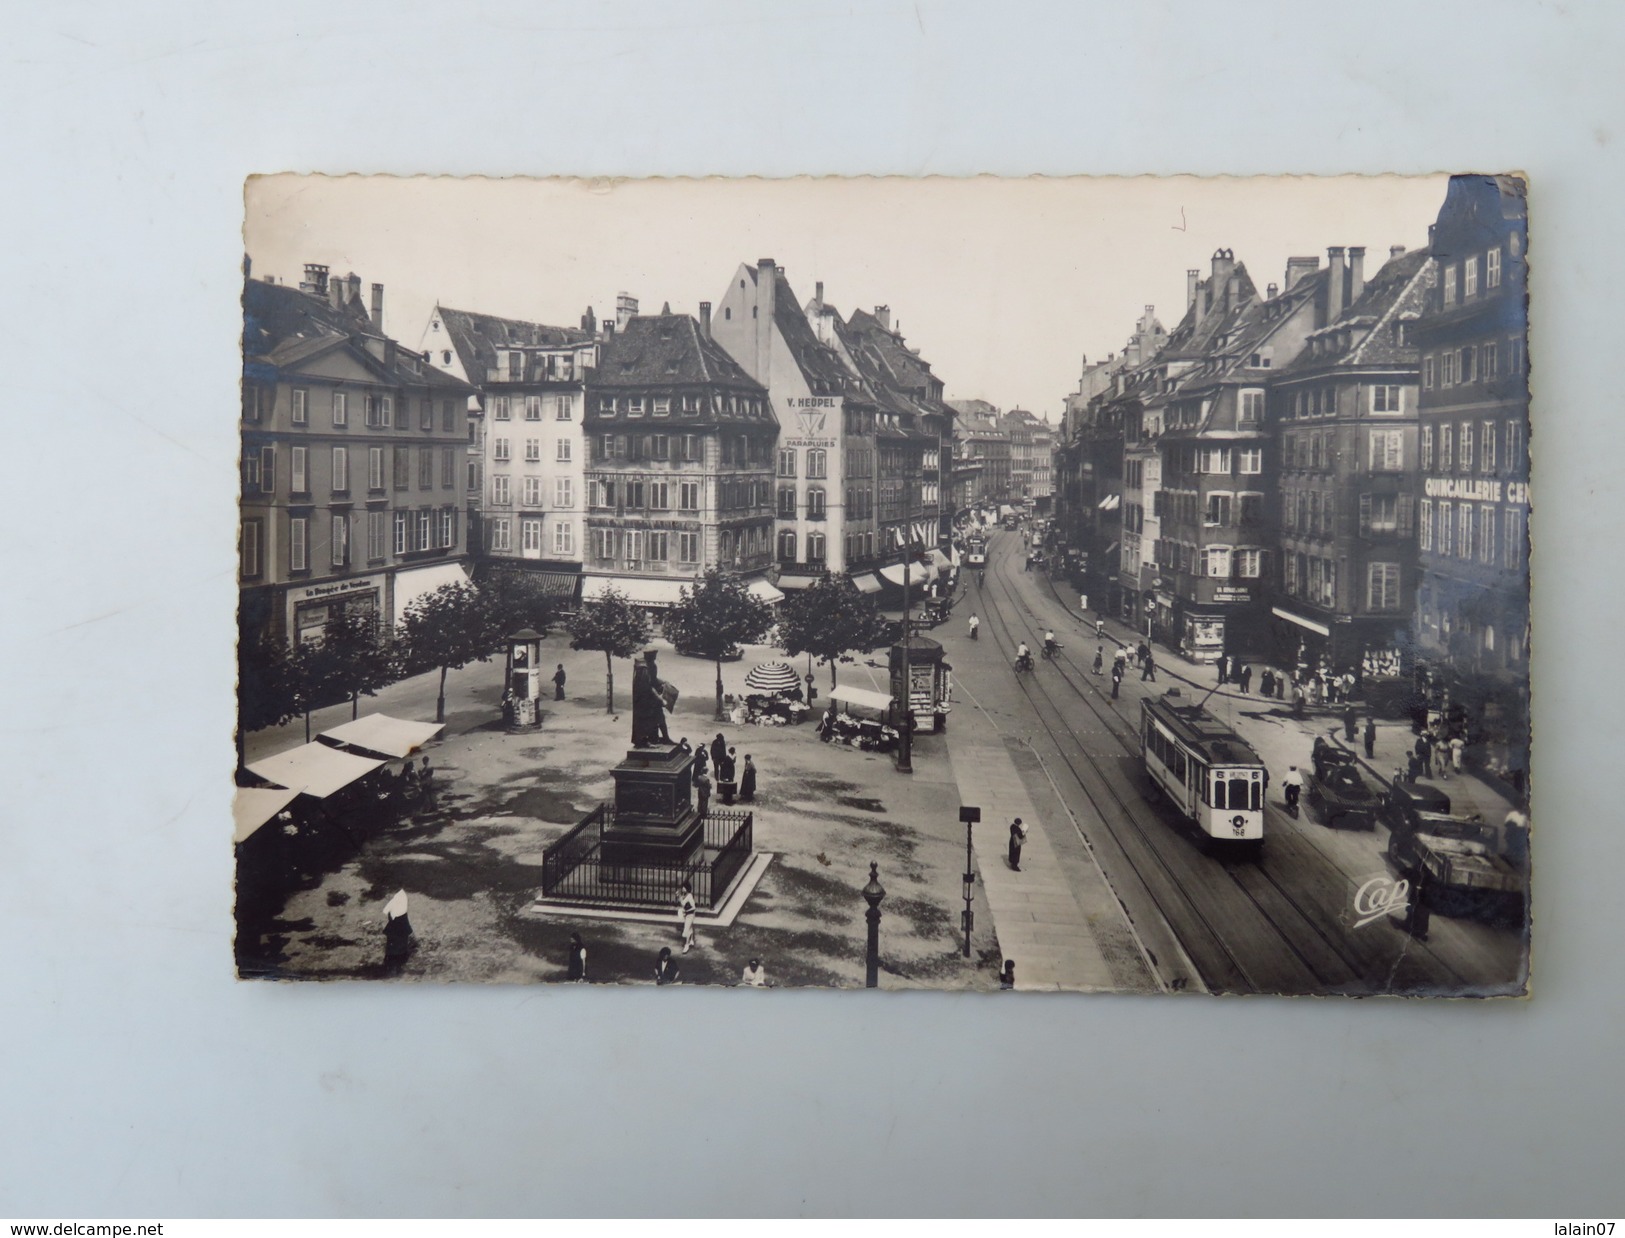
[[574, 870]]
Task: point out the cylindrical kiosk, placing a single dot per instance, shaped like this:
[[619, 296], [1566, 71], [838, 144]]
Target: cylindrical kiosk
[[522, 685]]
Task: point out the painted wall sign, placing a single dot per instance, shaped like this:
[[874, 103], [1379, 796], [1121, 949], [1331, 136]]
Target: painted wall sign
[[1478, 490], [334, 588]]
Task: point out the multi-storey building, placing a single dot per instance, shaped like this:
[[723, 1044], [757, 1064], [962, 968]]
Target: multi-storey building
[[1344, 419], [825, 464], [1216, 536], [1031, 442], [983, 440], [679, 474], [1472, 607], [353, 462], [529, 480]]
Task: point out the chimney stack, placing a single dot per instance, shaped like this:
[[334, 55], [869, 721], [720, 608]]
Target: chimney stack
[[315, 281], [1334, 283], [626, 309], [1192, 276], [705, 320], [1297, 268], [818, 294], [1395, 251], [1356, 272], [1224, 262], [1272, 291], [378, 308], [767, 286], [1232, 292], [883, 316]]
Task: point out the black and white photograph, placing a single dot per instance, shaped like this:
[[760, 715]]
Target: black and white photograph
[[1106, 585]]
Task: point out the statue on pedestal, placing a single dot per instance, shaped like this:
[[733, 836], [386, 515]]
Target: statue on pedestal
[[651, 698]]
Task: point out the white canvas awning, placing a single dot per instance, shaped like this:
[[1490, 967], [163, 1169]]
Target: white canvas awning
[[1300, 621], [765, 591], [866, 583], [918, 573], [639, 590], [410, 586], [942, 561], [252, 807], [390, 737], [315, 769], [797, 582], [864, 698]]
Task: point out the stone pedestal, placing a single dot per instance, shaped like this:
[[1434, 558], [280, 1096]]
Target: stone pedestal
[[655, 819]]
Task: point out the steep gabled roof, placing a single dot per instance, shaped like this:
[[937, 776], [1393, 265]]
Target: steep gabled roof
[[668, 349], [1397, 290], [478, 337], [820, 365]]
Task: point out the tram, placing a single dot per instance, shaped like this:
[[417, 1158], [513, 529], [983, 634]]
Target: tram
[[1211, 773], [976, 551]]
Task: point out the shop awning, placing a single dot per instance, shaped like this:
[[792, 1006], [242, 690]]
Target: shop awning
[[866, 583], [765, 591], [557, 584], [315, 769], [1110, 503], [918, 574], [944, 562], [1300, 621], [640, 591], [864, 698], [252, 807], [411, 585], [798, 582], [381, 734]]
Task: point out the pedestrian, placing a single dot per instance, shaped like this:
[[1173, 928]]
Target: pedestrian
[[1007, 977], [1266, 682], [702, 760], [1142, 652], [1348, 723], [1223, 667], [1370, 738], [578, 959], [1458, 748], [702, 790], [747, 781], [398, 940], [727, 785], [665, 970], [974, 624], [1424, 754], [1246, 680], [686, 907], [1298, 698], [687, 747], [1414, 770], [719, 749], [558, 683], [1029, 565], [1150, 668], [1100, 628], [1348, 685], [754, 976], [1100, 657], [1117, 678], [1017, 837]]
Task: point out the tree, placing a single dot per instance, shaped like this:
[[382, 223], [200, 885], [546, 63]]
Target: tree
[[828, 619], [268, 688], [515, 600], [353, 659], [714, 616], [611, 623], [448, 628]]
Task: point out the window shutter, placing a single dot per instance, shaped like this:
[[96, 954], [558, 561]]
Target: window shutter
[[1365, 515]]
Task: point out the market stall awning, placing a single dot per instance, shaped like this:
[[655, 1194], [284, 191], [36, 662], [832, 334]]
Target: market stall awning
[[918, 574], [765, 591], [411, 585], [640, 591], [381, 734], [1321, 628], [865, 698], [866, 583], [252, 807], [315, 769]]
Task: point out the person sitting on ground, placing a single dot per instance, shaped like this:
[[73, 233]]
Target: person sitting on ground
[[754, 975], [665, 970]]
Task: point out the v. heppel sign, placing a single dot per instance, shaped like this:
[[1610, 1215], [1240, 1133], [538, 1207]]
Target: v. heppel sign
[[1478, 490]]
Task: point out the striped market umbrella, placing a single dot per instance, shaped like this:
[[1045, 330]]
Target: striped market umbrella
[[772, 677]]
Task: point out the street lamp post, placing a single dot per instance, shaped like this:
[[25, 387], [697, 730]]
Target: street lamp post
[[873, 894], [970, 816], [905, 744]]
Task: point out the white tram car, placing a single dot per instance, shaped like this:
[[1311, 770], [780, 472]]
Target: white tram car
[[1209, 771], [976, 552]]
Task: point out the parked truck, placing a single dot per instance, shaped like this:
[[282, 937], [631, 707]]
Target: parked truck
[[1461, 864]]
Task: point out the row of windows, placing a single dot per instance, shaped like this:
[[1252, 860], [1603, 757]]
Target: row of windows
[[633, 548], [1457, 531], [1385, 399], [1221, 507], [1219, 461], [788, 506], [789, 541], [502, 449], [1471, 363], [378, 409], [503, 407], [260, 476], [499, 535], [683, 406], [1310, 577], [638, 493], [1221, 562], [736, 449], [1464, 274], [564, 491], [817, 462], [398, 532], [1455, 447]]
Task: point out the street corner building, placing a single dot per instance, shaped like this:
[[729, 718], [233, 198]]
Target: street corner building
[[357, 464]]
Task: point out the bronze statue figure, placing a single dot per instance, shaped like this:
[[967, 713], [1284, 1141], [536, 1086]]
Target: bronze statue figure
[[651, 698]]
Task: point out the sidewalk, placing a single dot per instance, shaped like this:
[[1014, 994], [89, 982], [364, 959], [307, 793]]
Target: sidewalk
[[1047, 923], [1468, 793]]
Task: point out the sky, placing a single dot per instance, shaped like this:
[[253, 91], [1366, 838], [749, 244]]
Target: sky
[[1003, 285]]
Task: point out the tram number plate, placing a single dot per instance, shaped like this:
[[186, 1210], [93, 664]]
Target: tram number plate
[[1238, 823]]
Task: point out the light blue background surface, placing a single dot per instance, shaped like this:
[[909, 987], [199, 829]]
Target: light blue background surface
[[138, 1080]]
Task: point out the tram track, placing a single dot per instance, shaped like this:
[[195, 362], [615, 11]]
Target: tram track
[[1212, 904]]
